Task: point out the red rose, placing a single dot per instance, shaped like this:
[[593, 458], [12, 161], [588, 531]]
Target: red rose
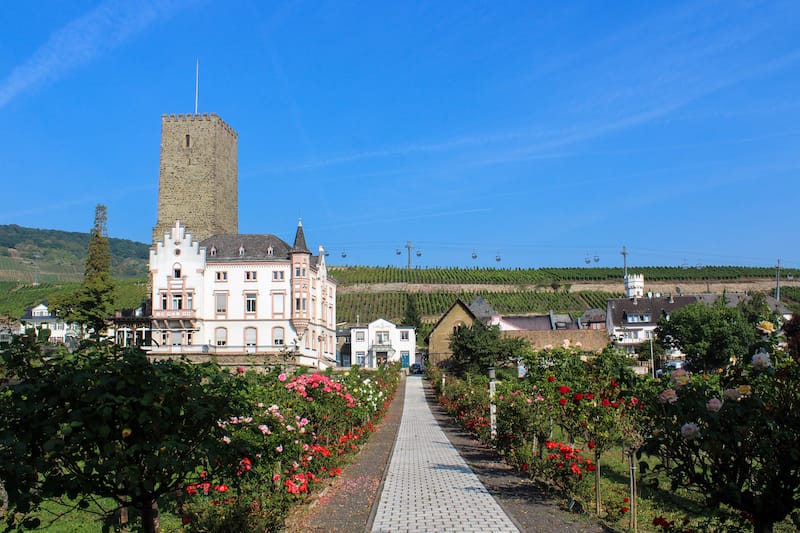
[[186, 519], [563, 389], [590, 444], [551, 379], [578, 397], [562, 401], [624, 509], [605, 402]]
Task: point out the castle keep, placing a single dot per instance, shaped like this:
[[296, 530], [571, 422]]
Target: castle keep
[[240, 299], [198, 182]]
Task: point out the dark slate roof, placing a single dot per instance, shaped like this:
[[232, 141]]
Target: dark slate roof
[[481, 309], [733, 299], [227, 247], [656, 307], [300, 240], [529, 323], [29, 313], [562, 321], [593, 315]]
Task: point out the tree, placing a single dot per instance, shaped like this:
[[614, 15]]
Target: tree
[[93, 302], [105, 423], [709, 335], [754, 309], [478, 347], [411, 317]]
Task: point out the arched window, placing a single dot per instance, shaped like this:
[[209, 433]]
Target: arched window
[[176, 270], [221, 335]]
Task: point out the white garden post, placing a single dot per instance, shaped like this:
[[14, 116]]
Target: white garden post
[[492, 406]]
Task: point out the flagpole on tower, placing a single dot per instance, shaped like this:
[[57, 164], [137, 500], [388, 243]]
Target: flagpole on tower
[[196, 83]]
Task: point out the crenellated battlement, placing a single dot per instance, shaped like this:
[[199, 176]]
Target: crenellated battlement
[[192, 117]]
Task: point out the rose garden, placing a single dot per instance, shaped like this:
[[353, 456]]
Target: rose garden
[[706, 451], [108, 438], [126, 444]]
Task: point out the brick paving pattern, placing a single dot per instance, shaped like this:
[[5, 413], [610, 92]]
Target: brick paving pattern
[[428, 486]]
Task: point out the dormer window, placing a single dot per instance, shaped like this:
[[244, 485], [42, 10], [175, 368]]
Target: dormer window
[[270, 251], [241, 250], [213, 251]]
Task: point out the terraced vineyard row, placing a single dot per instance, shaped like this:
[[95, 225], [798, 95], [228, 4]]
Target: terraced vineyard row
[[365, 307], [790, 297], [354, 275]]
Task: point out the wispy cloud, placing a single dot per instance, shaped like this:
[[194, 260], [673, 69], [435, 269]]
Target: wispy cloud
[[391, 151], [78, 42]]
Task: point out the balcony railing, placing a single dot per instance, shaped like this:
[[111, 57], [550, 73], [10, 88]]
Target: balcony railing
[[174, 313]]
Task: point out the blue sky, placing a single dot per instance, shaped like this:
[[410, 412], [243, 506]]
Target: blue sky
[[540, 131]]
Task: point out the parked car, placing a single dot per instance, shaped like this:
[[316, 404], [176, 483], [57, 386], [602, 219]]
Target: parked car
[[416, 368], [669, 367]]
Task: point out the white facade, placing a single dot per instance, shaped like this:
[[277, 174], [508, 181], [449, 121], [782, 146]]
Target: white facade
[[634, 285], [382, 342], [41, 318], [242, 295]]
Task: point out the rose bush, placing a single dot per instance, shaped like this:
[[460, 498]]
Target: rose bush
[[733, 436], [236, 449]]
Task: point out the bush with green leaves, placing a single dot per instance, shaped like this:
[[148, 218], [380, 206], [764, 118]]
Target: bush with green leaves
[[733, 436], [105, 422], [228, 452]]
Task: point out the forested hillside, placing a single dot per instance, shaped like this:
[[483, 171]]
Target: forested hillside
[[60, 256]]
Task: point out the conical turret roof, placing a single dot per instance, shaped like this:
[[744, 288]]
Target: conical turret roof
[[300, 240]]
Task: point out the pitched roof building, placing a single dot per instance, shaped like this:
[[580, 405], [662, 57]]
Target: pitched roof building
[[242, 299]]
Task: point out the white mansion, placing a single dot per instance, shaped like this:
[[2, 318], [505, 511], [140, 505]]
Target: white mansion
[[241, 297]]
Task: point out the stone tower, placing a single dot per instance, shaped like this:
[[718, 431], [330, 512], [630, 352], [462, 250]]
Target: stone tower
[[198, 182]]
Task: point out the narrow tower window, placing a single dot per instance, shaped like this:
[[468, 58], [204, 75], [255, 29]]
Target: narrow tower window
[[188, 140]]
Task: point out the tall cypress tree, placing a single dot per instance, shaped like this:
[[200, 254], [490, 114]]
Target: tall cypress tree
[[93, 302], [98, 287]]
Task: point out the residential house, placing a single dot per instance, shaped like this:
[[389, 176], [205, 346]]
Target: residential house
[[631, 322], [381, 342], [458, 315], [541, 331], [42, 319]]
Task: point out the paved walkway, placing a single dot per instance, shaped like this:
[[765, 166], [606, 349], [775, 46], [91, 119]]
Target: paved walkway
[[428, 487]]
